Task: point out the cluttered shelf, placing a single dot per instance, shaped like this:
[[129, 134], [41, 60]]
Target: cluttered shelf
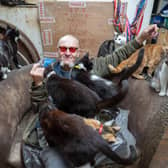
[[161, 18]]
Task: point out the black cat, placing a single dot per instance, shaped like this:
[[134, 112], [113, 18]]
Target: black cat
[[107, 47], [78, 142], [105, 88], [84, 95], [8, 51], [71, 96]]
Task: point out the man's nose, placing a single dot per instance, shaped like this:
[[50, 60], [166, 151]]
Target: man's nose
[[67, 52]]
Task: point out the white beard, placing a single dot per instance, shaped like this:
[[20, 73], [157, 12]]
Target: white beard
[[62, 63]]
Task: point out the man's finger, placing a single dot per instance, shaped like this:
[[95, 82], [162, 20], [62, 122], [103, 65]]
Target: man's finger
[[35, 68], [36, 65]]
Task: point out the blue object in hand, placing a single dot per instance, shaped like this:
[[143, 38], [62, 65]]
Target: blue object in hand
[[47, 61]]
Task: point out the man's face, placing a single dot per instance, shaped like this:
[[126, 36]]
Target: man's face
[[68, 51]]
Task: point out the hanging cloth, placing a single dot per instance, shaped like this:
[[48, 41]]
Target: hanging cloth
[[116, 20], [134, 28]]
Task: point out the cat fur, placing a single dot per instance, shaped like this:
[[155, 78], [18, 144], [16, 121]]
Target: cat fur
[[159, 81], [109, 46], [103, 87], [84, 95], [8, 52], [78, 142], [152, 56]]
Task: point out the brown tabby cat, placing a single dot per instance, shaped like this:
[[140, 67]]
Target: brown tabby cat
[[152, 56], [107, 131]]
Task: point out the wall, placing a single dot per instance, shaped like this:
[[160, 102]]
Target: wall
[[132, 9], [26, 20]]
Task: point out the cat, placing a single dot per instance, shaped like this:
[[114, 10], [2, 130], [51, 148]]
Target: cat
[[78, 142], [159, 81], [86, 94], [71, 96], [120, 39], [109, 46], [8, 52], [103, 87], [152, 56]]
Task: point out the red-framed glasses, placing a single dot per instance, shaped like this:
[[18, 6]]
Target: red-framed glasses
[[71, 49]]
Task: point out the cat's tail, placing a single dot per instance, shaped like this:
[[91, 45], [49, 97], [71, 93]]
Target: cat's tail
[[121, 91], [122, 84], [127, 72], [105, 149]]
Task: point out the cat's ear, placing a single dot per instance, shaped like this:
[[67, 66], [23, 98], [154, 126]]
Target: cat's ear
[[87, 55], [124, 34], [17, 32], [115, 33], [8, 27]]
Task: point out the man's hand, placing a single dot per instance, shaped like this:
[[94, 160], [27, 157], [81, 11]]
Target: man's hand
[[37, 73], [148, 33]]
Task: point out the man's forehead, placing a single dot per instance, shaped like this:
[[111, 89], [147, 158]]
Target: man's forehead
[[69, 41]]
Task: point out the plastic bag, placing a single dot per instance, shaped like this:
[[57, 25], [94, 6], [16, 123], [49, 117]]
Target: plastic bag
[[124, 140]]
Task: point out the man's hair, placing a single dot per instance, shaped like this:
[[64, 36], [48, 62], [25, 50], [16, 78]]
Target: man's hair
[[66, 37]]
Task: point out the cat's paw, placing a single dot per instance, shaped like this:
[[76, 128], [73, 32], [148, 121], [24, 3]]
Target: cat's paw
[[8, 70], [162, 94], [19, 66], [137, 76], [5, 76], [111, 68]]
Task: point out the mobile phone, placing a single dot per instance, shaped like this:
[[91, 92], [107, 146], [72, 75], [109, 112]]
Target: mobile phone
[[45, 62]]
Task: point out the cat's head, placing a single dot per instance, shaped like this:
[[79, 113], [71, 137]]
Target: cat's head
[[12, 34], [84, 63], [120, 39], [3, 72]]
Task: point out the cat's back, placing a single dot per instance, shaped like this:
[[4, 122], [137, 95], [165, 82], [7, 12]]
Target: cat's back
[[153, 51]]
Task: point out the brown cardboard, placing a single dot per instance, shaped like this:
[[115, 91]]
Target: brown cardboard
[[91, 22]]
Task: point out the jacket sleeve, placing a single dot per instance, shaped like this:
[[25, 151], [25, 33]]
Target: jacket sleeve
[[100, 64], [39, 95]]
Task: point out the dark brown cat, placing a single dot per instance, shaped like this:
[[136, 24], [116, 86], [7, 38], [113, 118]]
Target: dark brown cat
[[152, 56], [78, 142]]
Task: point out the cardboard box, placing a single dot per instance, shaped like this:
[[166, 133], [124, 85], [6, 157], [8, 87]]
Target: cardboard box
[[91, 22]]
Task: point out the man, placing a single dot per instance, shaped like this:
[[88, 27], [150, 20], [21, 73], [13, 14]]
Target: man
[[68, 51]]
